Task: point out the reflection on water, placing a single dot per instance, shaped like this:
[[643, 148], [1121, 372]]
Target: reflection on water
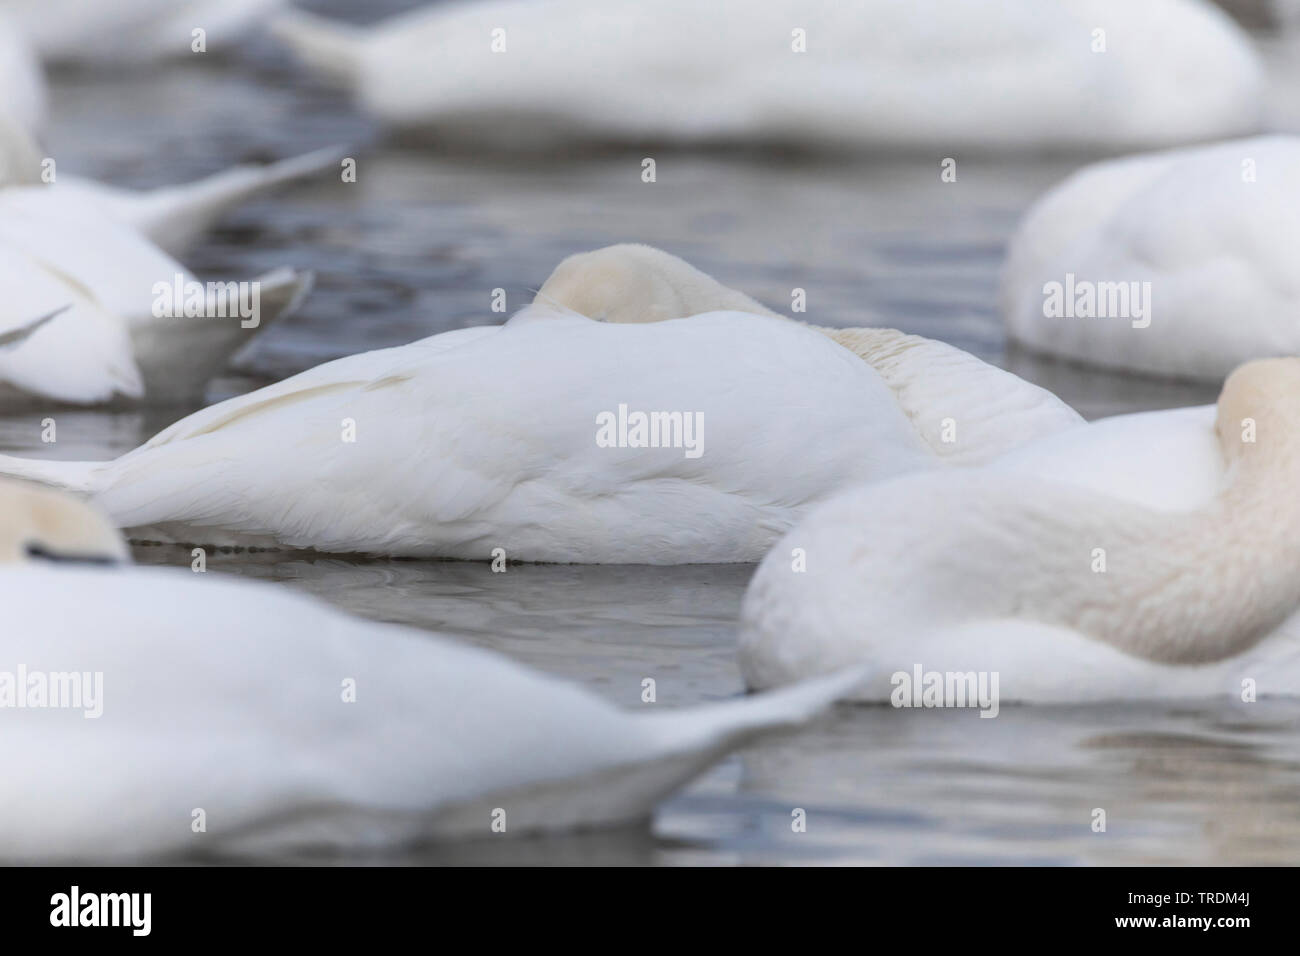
[[417, 245]]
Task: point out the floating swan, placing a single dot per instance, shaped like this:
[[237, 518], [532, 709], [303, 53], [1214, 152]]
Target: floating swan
[[132, 31], [980, 75], [213, 695], [1210, 230], [523, 437], [81, 244], [1144, 556]]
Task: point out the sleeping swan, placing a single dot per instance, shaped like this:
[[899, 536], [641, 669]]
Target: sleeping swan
[[1179, 264], [926, 74], [233, 698], [523, 437], [1145, 556], [100, 255]]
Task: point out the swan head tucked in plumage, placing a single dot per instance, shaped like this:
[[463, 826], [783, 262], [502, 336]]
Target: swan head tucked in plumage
[[1259, 412], [38, 523], [636, 283]]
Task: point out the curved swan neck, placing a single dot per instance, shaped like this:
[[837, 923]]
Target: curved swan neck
[[1206, 585]]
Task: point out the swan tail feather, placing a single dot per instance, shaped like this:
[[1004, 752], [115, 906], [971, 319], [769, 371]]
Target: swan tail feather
[[74, 476], [728, 725], [174, 217], [684, 744]]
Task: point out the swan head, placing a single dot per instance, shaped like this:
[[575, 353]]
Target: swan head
[[1260, 402], [635, 283], [41, 524]]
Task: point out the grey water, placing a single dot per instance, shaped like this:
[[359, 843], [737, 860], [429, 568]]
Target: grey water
[[416, 247]]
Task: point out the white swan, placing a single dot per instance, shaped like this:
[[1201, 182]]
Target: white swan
[[980, 75], [1211, 229], [521, 437], [1145, 556], [231, 697], [133, 31], [83, 245]]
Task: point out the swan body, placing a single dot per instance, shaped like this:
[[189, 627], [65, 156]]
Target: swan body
[[132, 31], [965, 410], [488, 437], [1210, 228], [996, 569], [981, 75], [232, 697], [87, 247]]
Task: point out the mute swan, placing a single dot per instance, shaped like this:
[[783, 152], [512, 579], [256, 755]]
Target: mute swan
[[1145, 556], [1211, 231], [132, 31], [81, 244], [292, 726], [488, 438], [980, 75], [521, 437]]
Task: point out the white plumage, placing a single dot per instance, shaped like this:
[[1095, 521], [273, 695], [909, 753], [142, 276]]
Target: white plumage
[[487, 437], [976, 75], [98, 253], [290, 725], [997, 569], [1212, 229]]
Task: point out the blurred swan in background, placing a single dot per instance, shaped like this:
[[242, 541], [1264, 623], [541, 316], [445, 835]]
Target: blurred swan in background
[[1145, 556], [217, 694], [110, 343], [101, 251], [132, 31], [978, 75], [487, 437], [1214, 231], [174, 217]]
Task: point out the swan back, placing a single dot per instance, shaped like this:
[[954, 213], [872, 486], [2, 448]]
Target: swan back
[[965, 410]]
